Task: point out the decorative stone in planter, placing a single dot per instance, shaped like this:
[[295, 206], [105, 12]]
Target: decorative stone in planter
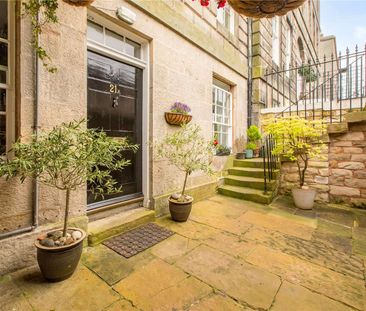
[[173, 118], [266, 8], [79, 2]]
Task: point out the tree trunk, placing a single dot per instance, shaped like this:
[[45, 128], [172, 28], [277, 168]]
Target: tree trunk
[[66, 218], [185, 183]]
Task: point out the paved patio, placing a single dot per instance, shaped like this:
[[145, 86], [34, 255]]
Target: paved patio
[[231, 255]]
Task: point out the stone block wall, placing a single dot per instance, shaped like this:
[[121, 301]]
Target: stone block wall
[[347, 165]]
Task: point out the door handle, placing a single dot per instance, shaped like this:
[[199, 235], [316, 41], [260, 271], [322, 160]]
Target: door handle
[[115, 102]]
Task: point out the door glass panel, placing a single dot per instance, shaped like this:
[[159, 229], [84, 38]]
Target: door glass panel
[[2, 100], [3, 76], [114, 40], [133, 48], [3, 20], [3, 54], [95, 32]]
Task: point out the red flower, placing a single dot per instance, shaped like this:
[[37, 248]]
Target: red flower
[[221, 3], [215, 142], [205, 2]]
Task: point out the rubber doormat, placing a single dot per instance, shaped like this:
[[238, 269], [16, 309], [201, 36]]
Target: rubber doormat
[[130, 243]]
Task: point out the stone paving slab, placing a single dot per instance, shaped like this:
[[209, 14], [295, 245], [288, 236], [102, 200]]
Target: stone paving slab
[[110, 266], [121, 305], [315, 251], [281, 224], [12, 298], [237, 279], [83, 291], [332, 284], [291, 295], [218, 302]]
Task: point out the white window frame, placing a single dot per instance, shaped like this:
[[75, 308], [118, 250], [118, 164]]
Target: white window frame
[[276, 47], [9, 86], [229, 125], [288, 48], [222, 18], [142, 63]]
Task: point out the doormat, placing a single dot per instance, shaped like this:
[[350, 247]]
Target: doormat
[[130, 243]]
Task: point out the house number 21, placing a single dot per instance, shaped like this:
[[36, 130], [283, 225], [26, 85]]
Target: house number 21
[[113, 88]]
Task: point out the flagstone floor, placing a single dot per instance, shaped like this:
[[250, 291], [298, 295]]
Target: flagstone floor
[[230, 255]]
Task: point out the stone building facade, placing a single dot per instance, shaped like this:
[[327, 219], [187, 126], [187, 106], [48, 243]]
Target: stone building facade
[[167, 51]]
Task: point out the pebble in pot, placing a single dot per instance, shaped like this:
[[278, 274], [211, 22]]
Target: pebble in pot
[[48, 242], [76, 235]]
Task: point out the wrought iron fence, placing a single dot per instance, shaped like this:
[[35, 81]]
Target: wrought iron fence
[[325, 89], [270, 161]]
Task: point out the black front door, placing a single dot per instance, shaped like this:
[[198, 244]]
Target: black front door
[[115, 106]]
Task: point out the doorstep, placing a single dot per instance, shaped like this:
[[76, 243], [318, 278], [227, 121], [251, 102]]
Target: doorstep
[[102, 229]]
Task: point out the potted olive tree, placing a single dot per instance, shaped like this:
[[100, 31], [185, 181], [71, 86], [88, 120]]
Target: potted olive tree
[[66, 158], [298, 140], [188, 151]]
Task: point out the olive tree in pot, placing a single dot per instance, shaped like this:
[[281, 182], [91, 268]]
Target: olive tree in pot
[[298, 140], [66, 158], [188, 151]]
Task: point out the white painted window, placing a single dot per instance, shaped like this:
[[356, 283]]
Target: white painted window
[[288, 49], [222, 113], [276, 40], [114, 41], [225, 17]]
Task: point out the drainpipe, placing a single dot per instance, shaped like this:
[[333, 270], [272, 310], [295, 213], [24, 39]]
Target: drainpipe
[[35, 198], [250, 61]]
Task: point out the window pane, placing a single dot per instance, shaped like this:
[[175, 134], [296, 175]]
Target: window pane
[[113, 40], [133, 48], [2, 100], [3, 54], [4, 19], [2, 134], [3, 76], [95, 32]]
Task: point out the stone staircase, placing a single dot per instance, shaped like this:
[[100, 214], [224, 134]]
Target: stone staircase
[[246, 181]]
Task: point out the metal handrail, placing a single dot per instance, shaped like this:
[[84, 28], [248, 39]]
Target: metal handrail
[[270, 161]]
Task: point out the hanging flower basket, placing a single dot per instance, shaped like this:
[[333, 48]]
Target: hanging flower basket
[[79, 2], [264, 8], [174, 118]]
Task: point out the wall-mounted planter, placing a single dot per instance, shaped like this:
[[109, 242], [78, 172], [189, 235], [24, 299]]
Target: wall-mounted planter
[[173, 118], [79, 2]]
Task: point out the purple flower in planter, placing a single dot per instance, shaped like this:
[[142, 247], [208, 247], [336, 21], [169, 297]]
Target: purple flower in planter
[[179, 107]]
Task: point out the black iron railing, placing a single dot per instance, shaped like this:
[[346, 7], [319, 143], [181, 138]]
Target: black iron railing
[[270, 161], [325, 89]]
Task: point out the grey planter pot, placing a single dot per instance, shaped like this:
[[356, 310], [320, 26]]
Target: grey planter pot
[[304, 198]]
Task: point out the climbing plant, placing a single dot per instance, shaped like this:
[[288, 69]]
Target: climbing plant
[[41, 13]]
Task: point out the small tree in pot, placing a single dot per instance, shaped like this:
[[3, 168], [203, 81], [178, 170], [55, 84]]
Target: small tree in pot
[[254, 136], [66, 158], [189, 151], [298, 140]]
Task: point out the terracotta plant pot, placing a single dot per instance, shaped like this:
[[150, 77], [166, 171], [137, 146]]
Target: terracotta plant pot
[[180, 210], [177, 118], [304, 198], [59, 263], [79, 2]]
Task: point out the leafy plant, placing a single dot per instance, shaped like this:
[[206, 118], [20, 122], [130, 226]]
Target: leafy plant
[[222, 150], [179, 107], [187, 150], [68, 157], [41, 12], [308, 73], [253, 133], [251, 146], [298, 140]]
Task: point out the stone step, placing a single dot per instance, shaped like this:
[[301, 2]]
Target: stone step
[[245, 193], [249, 172], [104, 228], [254, 163], [249, 182]]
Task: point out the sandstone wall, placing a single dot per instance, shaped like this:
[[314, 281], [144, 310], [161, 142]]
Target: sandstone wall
[[347, 160]]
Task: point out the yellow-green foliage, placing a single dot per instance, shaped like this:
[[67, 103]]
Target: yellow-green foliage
[[298, 140]]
